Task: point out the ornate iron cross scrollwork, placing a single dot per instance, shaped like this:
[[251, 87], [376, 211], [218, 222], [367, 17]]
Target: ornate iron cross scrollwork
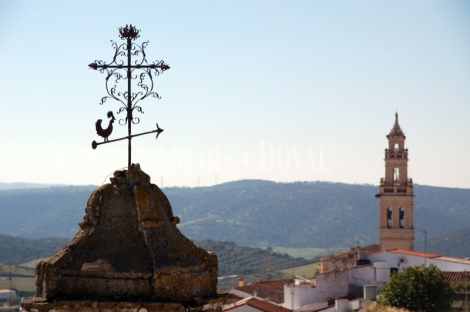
[[122, 67]]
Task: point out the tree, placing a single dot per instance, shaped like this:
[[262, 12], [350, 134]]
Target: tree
[[419, 289]]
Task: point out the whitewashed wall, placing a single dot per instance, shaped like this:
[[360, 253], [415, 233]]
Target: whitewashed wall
[[6, 293], [333, 284], [239, 294], [344, 305], [361, 276]]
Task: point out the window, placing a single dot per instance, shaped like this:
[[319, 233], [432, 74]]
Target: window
[[402, 218], [396, 174], [389, 217]]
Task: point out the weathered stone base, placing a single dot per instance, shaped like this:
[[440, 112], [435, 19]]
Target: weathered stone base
[[128, 249], [41, 305]]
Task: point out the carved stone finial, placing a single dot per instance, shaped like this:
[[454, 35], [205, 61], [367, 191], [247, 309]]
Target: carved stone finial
[[128, 249]]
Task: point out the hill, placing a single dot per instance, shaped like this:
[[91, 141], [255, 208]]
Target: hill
[[305, 214], [16, 250], [234, 261], [43, 212], [239, 260], [249, 212], [454, 243]]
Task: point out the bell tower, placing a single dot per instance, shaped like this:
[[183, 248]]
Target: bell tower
[[396, 195]]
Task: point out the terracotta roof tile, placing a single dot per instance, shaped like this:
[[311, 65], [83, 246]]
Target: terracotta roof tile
[[266, 306], [455, 277], [273, 285]]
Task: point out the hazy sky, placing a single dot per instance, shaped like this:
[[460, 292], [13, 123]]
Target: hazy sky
[[276, 90]]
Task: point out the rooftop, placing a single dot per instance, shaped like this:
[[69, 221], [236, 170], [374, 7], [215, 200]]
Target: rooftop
[[414, 253], [266, 306], [260, 291], [455, 277], [262, 305], [4, 291], [273, 285], [456, 260]]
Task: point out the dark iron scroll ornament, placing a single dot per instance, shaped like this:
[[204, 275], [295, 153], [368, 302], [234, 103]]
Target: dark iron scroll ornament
[[129, 63]]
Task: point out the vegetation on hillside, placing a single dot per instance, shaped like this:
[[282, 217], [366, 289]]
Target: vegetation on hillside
[[43, 212], [233, 259], [252, 213], [253, 264], [307, 214], [262, 213], [306, 252], [6, 269], [306, 271], [16, 250], [450, 244], [239, 260]]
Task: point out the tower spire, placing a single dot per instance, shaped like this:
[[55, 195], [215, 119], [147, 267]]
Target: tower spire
[[396, 130]]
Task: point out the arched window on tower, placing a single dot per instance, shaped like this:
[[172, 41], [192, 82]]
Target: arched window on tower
[[402, 218], [389, 217], [396, 147], [396, 174]]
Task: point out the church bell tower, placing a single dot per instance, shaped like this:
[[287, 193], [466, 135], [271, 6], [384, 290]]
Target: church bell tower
[[396, 195]]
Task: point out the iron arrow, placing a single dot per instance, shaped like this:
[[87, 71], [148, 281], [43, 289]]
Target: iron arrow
[[94, 144]]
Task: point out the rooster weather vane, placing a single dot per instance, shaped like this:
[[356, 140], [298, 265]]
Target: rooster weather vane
[[141, 71]]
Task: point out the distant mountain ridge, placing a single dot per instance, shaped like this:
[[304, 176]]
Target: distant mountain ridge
[[25, 185], [43, 212], [250, 212], [304, 214]]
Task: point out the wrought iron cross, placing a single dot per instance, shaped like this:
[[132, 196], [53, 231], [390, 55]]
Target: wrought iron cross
[[114, 70]]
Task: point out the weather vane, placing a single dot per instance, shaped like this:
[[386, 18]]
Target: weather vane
[[123, 67]]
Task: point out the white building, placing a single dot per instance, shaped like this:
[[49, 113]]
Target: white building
[[6, 293], [302, 296]]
